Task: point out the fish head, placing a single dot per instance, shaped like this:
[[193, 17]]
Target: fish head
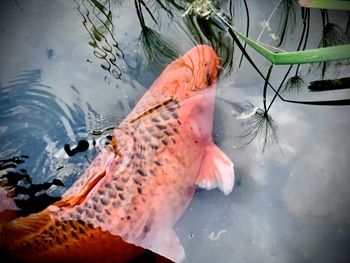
[[203, 66], [198, 71]]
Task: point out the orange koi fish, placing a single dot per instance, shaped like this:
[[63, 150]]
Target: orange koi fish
[[137, 188]]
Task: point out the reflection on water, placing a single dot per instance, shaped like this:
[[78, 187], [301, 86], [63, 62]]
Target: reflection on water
[[290, 203], [98, 22]]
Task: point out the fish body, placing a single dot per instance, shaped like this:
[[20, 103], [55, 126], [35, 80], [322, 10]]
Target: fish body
[[137, 188]]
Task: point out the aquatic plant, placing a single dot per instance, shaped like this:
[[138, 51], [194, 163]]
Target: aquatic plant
[[98, 22], [260, 125], [158, 50]]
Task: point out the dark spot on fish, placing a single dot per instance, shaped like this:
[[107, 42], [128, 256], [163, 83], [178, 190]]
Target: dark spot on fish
[[87, 205], [150, 129], [168, 133], [99, 218], [173, 140], [69, 222], [136, 180], [152, 171], [101, 191], [146, 229], [155, 119], [64, 236], [175, 130], [196, 141], [164, 116], [81, 222], [64, 228], [79, 210], [104, 201], [139, 190], [118, 187], [179, 122], [108, 185], [161, 127], [141, 172], [95, 198], [175, 115], [74, 235], [154, 146], [131, 155], [125, 179], [97, 208], [165, 142], [58, 240], [111, 194], [89, 213], [107, 212], [146, 138], [158, 163], [157, 135], [116, 204], [141, 156], [81, 230], [128, 217], [122, 196]]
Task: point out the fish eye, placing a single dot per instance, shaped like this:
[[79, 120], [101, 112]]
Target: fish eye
[[208, 79]]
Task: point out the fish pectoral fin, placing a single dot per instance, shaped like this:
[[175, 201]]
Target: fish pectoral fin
[[216, 171], [72, 200], [164, 242]]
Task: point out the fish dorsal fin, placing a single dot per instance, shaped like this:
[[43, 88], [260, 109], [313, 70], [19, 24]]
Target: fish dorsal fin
[[96, 171], [216, 171], [72, 200], [147, 105], [151, 109]]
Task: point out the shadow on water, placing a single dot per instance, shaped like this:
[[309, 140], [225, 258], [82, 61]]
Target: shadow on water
[[29, 197]]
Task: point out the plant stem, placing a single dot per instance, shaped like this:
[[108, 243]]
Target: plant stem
[[295, 57], [326, 4]]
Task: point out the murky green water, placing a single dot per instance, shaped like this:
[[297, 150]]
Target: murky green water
[[72, 70]]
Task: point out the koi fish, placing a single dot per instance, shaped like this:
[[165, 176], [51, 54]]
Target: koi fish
[[137, 188]]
